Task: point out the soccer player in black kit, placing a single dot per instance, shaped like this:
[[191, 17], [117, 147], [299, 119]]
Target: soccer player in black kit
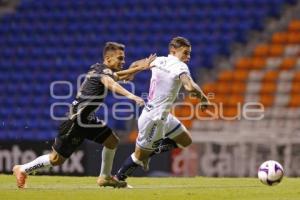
[[82, 122]]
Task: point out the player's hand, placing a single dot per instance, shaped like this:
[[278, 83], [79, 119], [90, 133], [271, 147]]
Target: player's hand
[[145, 64], [130, 77], [138, 100]]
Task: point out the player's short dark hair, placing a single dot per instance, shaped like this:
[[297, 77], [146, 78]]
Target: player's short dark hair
[[178, 42], [112, 46]]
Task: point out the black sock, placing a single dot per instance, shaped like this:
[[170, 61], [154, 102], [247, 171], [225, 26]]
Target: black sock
[[126, 169], [164, 145]]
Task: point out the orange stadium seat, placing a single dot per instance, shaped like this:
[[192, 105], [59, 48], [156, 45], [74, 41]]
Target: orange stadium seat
[[238, 87], [243, 63], [294, 26], [224, 87], [182, 111], [240, 75], [225, 75], [297, 77], [293, 38], [262, 50], [235, 99], [230, 111], [276, 50], [279, 38], [258, 63], [209, 88], [295, 100], [296, 87], [199, 113], [268, 87], [288, 63], [187, 123], [220, 98], [266, 99], [271, 76]]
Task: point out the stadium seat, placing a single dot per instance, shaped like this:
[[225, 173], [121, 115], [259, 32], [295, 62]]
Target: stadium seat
[[288, 63]]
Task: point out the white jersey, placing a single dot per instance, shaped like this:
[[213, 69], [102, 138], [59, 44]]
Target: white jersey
[[165, 85]]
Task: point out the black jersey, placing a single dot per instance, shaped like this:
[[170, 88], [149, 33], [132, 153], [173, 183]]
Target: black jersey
[[91, 93]]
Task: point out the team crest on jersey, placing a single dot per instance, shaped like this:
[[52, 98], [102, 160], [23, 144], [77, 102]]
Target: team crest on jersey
[[163, 62]]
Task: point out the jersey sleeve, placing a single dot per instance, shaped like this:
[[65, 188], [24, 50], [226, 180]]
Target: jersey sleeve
[[107, 72], [153, 64], [182, 69]]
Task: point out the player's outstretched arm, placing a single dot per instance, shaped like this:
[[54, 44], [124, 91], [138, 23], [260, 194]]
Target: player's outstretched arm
[[190, 86], [113, 86], [135, 67]]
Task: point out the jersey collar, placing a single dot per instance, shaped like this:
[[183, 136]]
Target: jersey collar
[[105, 66], [173, 57]]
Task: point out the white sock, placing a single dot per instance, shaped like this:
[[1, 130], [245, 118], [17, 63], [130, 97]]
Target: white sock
[[135, 160], [107, 161], [39, 163]]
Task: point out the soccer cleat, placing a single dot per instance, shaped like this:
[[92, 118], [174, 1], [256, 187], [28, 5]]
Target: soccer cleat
[[20, 176], [111, 182]]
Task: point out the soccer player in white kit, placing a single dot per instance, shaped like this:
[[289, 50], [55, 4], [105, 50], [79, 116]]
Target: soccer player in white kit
[[159, 130]]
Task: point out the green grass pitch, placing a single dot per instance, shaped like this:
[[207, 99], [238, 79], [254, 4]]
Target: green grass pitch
[[198, 188]]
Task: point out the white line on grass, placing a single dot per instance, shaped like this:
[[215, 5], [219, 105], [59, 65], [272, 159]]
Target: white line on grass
[[93, 187]]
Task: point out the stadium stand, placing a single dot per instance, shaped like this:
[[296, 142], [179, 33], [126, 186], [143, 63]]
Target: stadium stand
[[269, 76], [46, 41]]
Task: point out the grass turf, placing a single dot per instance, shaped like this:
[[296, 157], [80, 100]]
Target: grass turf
[[200, 188]]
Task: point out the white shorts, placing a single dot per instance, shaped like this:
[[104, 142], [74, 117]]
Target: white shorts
[[150, 131]]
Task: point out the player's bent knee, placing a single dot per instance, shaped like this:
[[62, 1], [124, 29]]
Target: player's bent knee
[[141, 154], [112, 141], [56, 159]]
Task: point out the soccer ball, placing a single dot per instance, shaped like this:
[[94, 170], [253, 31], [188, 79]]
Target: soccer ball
[[270, 173]]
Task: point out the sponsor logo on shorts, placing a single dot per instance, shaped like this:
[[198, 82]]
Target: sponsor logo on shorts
[[149, 138]]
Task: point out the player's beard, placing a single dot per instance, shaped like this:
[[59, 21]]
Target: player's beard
[[119, 68]]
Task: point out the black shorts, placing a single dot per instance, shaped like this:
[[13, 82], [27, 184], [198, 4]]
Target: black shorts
[[71, 135]]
